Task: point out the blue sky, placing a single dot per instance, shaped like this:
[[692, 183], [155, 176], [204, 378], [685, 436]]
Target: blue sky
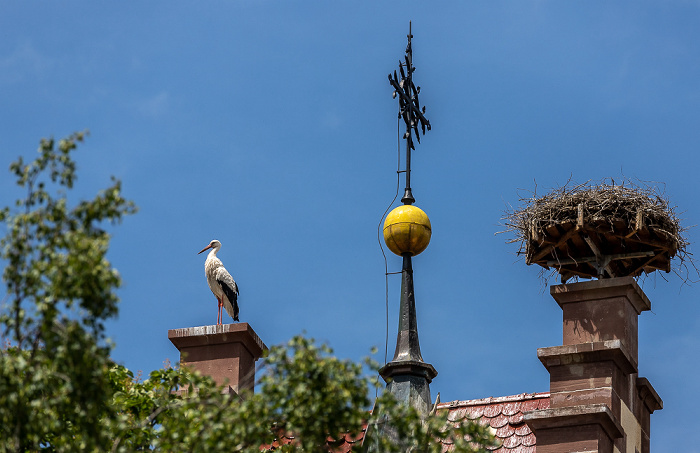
[[271, 127]]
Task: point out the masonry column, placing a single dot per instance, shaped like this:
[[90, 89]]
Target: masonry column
[[226, 352], [597, 401]]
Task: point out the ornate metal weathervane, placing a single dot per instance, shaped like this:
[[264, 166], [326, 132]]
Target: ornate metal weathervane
[[407, 233], [410, 110]]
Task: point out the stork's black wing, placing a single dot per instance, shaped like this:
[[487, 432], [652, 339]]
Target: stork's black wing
[[230, 289]]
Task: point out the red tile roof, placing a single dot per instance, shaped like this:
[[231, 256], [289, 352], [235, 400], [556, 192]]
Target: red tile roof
[[503, 414], [343, 444]]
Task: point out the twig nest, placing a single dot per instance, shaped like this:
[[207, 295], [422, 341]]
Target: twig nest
[[407, 230], [598, 230]]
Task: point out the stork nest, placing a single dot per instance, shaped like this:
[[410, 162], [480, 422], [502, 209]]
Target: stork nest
[[599, 230]]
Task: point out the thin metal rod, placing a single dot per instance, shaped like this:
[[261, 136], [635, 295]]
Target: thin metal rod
[[408, 195]]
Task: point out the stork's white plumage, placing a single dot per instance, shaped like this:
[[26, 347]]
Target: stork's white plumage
[[220, 282]]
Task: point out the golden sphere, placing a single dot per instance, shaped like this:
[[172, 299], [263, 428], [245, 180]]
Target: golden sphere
[[407, 230]]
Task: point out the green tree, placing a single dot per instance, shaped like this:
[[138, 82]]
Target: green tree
[[60, 289], [59, 390], [305, 393]]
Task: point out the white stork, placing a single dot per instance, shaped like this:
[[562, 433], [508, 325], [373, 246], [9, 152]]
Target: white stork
[[220, 282]]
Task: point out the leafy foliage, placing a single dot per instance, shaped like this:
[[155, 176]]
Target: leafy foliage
[[60, 392], [304, 391], [306, 394], [56, 254], [60, 289]]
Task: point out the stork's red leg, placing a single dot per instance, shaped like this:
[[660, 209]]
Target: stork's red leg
[[221, 304]]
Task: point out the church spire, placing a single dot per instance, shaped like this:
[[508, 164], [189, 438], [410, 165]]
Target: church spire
[[407, 232]]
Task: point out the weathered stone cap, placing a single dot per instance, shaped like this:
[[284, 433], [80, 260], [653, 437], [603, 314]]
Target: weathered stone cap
[[606, 288], [218, 334]]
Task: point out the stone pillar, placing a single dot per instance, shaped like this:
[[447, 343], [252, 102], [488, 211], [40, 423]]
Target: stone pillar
[[225, 352], [597, 401]]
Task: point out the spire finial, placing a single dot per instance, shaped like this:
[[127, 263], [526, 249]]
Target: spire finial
[[409, 109], [407, 232]]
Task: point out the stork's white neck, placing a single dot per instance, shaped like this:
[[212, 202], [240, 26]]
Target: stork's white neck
[[212, 252]]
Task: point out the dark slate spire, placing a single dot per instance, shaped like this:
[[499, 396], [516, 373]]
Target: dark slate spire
[[408, 377]]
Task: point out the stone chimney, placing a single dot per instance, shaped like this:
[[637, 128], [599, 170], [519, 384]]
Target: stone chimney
[[226, 352], [597, 401]]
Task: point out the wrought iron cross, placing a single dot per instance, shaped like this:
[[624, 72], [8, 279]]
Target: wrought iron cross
[[409, 109]]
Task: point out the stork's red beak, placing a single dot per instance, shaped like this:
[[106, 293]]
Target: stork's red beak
[[205, 248]]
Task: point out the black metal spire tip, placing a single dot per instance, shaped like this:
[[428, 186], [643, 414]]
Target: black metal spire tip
[[409, 109]]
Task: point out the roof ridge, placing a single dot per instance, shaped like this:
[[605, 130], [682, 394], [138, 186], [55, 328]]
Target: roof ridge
[[495, 400]]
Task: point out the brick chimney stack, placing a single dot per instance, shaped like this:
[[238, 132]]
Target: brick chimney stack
[[597, 401], [226, 352]]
